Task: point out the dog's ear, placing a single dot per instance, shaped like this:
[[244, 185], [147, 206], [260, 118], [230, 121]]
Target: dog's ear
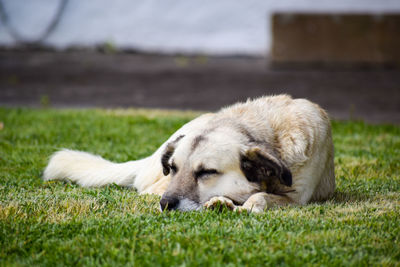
[[167, 154], [169, 150], [258, 165]]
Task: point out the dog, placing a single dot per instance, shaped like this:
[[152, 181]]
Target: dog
[[270, 151]]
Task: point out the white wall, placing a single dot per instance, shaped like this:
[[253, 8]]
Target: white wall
[[209, 26]]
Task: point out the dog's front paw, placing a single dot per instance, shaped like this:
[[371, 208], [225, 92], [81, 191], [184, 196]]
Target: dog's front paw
[[256, 203], [219, 202], [249, 209]]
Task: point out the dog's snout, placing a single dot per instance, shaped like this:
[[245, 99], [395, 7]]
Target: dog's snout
[[169, 203]]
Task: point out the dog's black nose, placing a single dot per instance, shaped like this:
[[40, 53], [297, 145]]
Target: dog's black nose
[[169, 203]]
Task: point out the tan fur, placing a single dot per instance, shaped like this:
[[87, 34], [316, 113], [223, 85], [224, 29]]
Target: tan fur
[[294, 133]]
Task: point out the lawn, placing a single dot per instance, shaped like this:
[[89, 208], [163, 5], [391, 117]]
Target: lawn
[[56, 223]]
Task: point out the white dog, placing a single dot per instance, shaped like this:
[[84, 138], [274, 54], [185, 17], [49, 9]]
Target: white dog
[[268, 151]]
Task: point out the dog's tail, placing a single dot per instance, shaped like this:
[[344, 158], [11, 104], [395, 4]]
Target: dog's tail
[[89, 170]]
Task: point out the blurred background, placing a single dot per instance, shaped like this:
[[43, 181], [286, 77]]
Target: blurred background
[[201, 55]]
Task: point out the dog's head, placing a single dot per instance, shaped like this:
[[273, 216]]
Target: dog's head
[[224, 160]]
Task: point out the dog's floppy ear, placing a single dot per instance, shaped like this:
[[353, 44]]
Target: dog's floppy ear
[[258, 165], [167, 154]]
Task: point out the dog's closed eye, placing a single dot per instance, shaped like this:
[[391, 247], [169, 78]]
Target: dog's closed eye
[[204, 173]]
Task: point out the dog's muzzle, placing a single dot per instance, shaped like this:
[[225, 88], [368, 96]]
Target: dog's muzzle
[[174, 203]]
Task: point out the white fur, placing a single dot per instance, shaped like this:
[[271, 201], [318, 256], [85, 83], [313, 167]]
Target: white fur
[[188, 205], [89, 170]]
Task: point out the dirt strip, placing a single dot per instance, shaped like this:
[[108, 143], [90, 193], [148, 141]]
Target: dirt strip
[[90, 79]]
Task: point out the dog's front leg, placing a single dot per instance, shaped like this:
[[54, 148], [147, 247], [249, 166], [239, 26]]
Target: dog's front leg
[[259, 202]]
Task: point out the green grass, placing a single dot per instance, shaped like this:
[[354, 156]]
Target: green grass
[[57, 223]]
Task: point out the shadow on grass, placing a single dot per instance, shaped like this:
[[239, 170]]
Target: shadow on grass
[[349, 197], [346, 197]]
